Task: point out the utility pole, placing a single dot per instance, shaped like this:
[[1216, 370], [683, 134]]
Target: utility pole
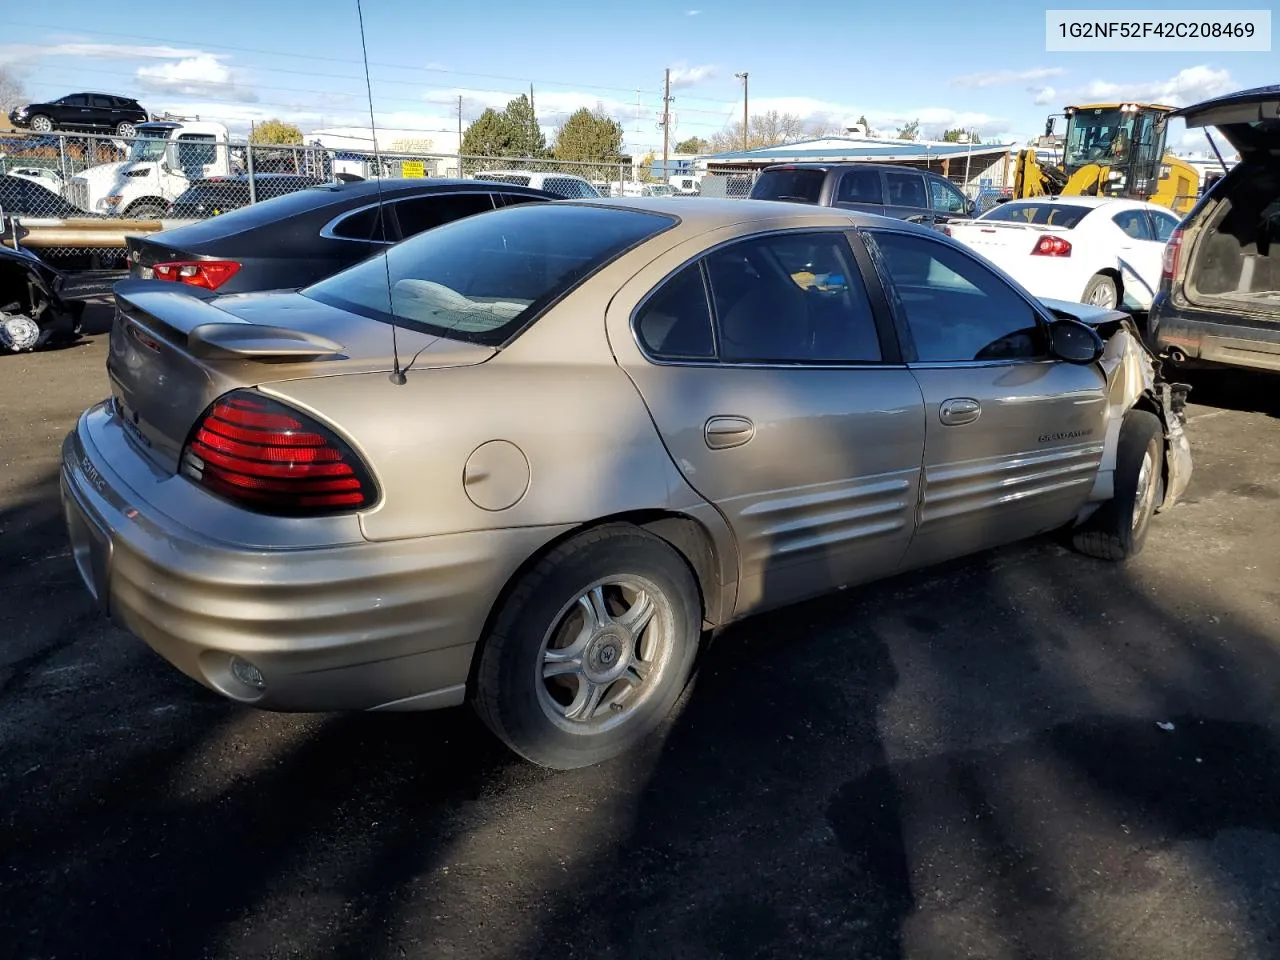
[[533, 119], [745, 116], [459, 135], [666, 125]]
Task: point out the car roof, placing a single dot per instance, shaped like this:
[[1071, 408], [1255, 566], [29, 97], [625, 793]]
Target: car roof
[[845, 165], [709, 213]]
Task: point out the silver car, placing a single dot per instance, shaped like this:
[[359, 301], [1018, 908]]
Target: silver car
[[527, 458]]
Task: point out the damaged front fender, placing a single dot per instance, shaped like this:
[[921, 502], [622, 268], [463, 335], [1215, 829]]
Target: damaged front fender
[[1134, 381], [33, 312]]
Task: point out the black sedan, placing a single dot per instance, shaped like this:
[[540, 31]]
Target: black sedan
[[24, 198], [301, 237], [218, 195]]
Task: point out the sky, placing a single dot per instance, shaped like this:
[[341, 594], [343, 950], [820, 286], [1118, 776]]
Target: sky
[[241, 61]]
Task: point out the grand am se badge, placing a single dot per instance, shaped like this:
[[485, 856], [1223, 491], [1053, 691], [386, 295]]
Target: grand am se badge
[[1064, 435]]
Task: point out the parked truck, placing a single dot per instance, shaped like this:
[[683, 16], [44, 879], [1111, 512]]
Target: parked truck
[[164, 160]]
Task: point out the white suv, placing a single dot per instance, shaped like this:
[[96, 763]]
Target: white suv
[[566, 185]]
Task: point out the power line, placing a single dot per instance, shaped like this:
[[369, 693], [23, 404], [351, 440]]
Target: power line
[[308, 56]]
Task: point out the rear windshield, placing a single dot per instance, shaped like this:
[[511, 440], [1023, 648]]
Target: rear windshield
[[482, 278], [803, 186], [1044, 214]]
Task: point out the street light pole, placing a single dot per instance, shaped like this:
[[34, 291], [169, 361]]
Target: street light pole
[[745, 116]]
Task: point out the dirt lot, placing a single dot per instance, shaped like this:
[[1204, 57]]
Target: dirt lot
[[1025, 754]]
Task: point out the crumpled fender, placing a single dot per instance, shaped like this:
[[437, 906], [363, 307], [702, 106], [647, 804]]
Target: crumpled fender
[[1134, 380]]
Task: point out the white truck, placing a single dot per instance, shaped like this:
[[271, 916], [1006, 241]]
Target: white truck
[[163, 161]]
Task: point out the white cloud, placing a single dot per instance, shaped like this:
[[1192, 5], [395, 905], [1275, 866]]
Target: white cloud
[[1043, 95], [202, 75], [692, 13], [998, 77], [99, 51], [1186, 86], [684, 76]]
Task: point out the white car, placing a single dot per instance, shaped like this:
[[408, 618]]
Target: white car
[[1094, 250], [566, 185]]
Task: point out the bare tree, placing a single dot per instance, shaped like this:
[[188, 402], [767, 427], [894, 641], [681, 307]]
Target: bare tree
[[767, 130], [12, 93]]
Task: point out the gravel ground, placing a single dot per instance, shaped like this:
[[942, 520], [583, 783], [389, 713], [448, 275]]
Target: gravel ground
[[1023, 754]]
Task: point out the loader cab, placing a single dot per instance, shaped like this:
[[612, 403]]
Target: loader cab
[[1125, 140]]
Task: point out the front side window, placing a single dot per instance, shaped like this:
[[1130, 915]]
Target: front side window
[[906, 189], [791, 298], [675, 323], [75, 100], [1134, 224], [196, 150], [481, 279], [946, 198], [955, 308], [569, 188]]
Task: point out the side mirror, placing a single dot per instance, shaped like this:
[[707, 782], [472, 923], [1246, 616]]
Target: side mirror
[[1049, 124], [1075, 342], [971, 208]]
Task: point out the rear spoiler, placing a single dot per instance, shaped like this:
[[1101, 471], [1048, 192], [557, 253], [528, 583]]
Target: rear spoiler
[[185, 314]]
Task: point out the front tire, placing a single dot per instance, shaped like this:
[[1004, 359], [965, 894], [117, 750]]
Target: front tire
[[1118, 530], [41, 124], [591, 650], [146, 210], [125, 129]]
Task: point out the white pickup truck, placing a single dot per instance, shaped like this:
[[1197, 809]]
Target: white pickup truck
[[163, 161]]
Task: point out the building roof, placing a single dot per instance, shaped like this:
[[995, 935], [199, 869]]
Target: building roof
[[846, 149]]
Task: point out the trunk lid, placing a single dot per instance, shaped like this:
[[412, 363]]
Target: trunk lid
[[1249, 120], [174, 350]]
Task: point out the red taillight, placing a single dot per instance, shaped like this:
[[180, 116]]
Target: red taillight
[[1051, 246], [209, 274], [273, 459], [1172, 254]]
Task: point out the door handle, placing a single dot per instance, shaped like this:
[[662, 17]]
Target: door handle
[[958, 411], [724, 432]]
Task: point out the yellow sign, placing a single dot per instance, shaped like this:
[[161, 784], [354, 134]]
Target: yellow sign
[[413, 168]]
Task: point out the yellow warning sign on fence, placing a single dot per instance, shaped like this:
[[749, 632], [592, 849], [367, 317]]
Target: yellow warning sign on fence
[[413, 168]]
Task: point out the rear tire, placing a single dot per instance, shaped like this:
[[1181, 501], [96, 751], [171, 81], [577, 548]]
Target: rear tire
[[126, 129], [563, 679], [1101, 291], [41, 124], [1118, 529]]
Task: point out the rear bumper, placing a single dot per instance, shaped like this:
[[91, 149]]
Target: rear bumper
[[1192, 340], [357, 626]]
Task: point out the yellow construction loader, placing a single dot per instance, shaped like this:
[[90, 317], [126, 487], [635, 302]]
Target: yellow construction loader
[[1110, 150]]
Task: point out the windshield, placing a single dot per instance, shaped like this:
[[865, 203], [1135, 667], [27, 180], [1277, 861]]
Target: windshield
[[1099, 136], [804, 186], [1044, 214], [147, 150], [484, 277]]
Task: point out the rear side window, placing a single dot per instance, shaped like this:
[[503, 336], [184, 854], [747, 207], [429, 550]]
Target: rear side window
[[364, 224], [1044, 214], [482, 279], [792, 298], [798, 186], [1163, 224], [196, 150], [422, 213], [860, 186], [1134, 223], [675, 324], [569, 188], [511, 199], [906, 189]]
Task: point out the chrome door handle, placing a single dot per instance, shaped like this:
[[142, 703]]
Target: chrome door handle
[[958, 411], [723, 432]]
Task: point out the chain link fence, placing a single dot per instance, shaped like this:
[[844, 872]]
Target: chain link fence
[[71, 192]]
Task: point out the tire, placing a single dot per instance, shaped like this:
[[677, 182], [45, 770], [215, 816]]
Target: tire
[[41, 124], [1118, 529], [146, 210], [543, 625], [1101, 291], [126, 129]]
